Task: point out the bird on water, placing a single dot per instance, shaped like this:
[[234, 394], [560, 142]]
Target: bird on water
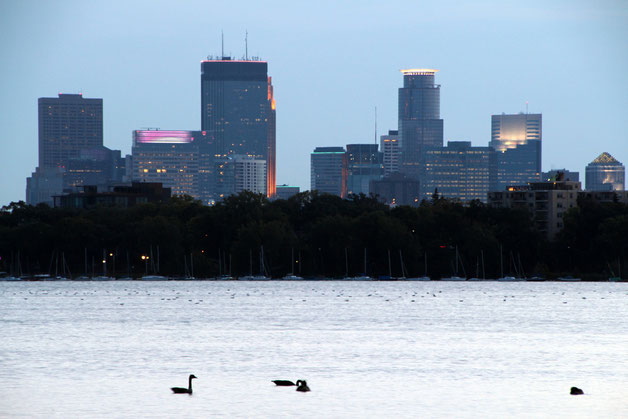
[[576, 391], [183, 390], [283, 383], [302, 386]]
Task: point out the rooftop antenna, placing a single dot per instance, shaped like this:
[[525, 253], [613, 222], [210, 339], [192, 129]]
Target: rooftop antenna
[[246, 45], [526, 106], [376, 125], [222, 44]]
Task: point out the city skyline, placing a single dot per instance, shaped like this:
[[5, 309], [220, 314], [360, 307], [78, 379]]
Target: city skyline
[[574, 73]]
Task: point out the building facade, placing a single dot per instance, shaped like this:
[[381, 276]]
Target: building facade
[[43, 184], [329, 170], [68, 124], [238, 111], [459, 171], [71, 151], [420, 125], [397, 189], [391, 149], [286, 191], [180, 160], [364, 164], [250, 174], [117, 196], [517, 141], [563, 173], [605, 173], [548, 202]]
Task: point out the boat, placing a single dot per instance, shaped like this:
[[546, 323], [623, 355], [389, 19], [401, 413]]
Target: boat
[[154, 278], [455, 277], [569, 278], [103, 278], [292, 277], [510, 279], [361, 277]]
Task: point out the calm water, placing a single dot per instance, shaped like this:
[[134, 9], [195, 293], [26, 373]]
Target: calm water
[[464, 350]]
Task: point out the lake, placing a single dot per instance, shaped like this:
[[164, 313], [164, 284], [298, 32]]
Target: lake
[[367, 349]]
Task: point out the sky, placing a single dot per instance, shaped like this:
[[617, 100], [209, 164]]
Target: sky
[[332, 63]]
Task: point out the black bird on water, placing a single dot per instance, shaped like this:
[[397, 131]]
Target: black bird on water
[[302, 386], [576, 391], [183, 390], [284, 383]]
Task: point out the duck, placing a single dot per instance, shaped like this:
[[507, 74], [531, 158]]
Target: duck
[[183, 390], [283, 383], [576, 391], [302, 385]]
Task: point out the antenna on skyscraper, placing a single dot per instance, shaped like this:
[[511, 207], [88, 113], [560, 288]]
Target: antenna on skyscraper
[[376, 125], [222, 44], [246, 45], [526, 106]]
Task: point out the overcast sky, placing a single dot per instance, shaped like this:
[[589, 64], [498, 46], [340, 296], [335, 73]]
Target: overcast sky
[[331, 62]]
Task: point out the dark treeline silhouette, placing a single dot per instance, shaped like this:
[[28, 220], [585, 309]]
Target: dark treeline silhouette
[[328, 236]]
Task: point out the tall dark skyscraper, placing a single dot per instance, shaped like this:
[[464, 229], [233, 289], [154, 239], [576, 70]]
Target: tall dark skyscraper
[[238, 110], [71, 151], [420, 126], [516, 140], [68, 124]]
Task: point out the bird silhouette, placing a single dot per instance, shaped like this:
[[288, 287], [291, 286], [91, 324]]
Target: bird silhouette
[[183, 390]]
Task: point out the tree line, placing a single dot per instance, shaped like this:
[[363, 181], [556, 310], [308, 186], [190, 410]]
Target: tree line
[[312, 235]]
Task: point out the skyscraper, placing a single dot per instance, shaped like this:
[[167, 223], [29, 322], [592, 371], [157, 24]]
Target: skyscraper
[[329, 170], [68, 124], [364, 163], [420, 125], [249, 173], [177, 159], [605, 173], [238, 110], [390, 145], [71, 151], [517, 141], [459, 171]]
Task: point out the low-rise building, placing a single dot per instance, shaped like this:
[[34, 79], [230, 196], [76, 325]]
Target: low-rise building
[[397, 189], [547, 201], [117, 196]]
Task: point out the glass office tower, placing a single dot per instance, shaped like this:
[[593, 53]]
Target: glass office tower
[[458, 171], [329, 170], [605, 173], [180, 160], [420, 126], [364, 164], [238, 110], [517, 141]]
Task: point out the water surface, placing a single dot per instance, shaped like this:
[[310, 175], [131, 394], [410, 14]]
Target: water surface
[[367, 349]]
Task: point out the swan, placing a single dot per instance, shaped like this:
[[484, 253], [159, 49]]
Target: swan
[[283, 383], [302, 386], [183, 390]]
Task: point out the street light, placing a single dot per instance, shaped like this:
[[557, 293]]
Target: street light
[[145, 259]]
